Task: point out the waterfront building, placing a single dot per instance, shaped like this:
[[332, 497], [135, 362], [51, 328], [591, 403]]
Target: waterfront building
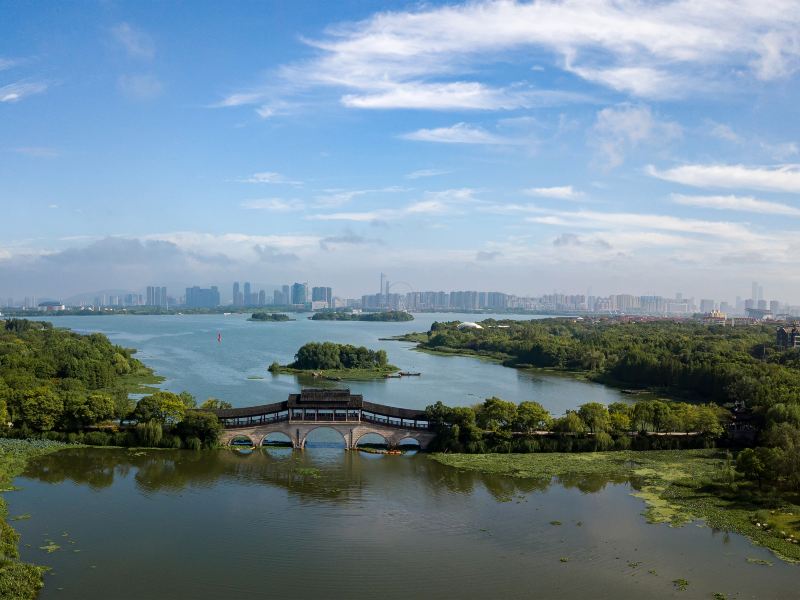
[[197, 297]]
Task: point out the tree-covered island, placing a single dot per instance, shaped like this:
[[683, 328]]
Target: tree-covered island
[[269, 317], [387, 316], [336, 362]]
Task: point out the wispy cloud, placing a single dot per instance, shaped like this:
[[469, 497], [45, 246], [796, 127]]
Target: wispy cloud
[[620, 129], [135, 42], [737, 203], [446, 202], [780, 178], [14, 92], [140, 87], [564, 192], [460, 133], [419, 174], [427, 57], [7, 63], [269, 177], [278, 205]]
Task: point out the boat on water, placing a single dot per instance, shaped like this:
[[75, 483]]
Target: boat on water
[[409, 374]]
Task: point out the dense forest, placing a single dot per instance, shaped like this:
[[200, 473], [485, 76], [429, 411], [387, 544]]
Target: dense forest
[[70, 387], [391, 315]]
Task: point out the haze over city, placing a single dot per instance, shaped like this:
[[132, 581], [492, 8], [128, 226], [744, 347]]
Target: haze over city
[[502, 146]]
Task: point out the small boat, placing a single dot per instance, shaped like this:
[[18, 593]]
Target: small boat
[[391, 376], [409, 374]]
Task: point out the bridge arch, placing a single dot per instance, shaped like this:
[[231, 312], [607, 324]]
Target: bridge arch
[[409, 441], [276, 438], [372, 434], [241, 439], [305, 435]]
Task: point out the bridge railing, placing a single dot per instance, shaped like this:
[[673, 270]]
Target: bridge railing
[[255, 420], [393, 422]]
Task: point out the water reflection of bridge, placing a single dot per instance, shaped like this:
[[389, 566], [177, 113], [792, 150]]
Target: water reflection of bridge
[[349, 414]]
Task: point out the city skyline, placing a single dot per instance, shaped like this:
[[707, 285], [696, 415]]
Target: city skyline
[[500, 143]]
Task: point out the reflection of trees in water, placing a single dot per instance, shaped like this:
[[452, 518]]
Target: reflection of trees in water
[[340, 477]]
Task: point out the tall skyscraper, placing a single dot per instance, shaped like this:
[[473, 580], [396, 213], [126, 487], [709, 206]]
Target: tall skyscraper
[[262, 298], [248, 298], [236, 294], [754, 292], [299, 293]]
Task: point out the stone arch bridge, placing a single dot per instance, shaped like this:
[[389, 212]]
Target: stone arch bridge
[[337, 409]]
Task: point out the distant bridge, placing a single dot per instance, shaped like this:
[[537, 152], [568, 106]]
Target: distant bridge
[[337, 409]]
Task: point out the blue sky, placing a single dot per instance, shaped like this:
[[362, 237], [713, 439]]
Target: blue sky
[[644, 147]]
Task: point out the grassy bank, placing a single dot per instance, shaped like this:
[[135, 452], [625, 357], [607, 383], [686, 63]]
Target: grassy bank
[[18, 580], [338, 374], [677, 486]]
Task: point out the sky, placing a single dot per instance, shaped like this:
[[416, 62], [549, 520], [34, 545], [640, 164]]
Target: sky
[[526, 147]]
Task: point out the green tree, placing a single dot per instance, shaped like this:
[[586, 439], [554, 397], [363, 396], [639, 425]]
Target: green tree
[[595, 416], [496, 414], [41, 408], [215, 404], [532, 416], [569, 423], [164, 407], [202, 425]]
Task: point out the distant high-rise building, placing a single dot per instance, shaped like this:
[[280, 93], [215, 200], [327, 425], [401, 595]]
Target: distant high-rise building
[[247, 296], [262, 298], [299, 293], [754, 292], [287, 294], [706, 306], [277, 298], [322, 294], [238, 300], [774, 307], [197, 297], [156, 295]]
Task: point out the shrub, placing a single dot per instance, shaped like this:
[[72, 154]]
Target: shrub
[[97, 438], [193, 443]]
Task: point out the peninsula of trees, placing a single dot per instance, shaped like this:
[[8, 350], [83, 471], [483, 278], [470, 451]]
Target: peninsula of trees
[[264, 316], [337, 361], [390, 315]]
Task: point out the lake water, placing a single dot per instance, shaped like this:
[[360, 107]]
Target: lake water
[[319, 523], [324, 523], [184, 349]]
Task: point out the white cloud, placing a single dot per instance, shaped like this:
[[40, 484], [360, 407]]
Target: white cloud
[[136, 43], [780, 178], [279, 205], [460, 133], [140, 87], [445, 202], [269, 177], [564, 192], [737, 203], [427, 57], [419, 174], [620, 129], [14, 92], [724, 132], [7, 63]]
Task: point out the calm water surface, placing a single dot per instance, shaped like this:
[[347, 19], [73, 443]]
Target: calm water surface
[[184, 349], [332, 524]]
